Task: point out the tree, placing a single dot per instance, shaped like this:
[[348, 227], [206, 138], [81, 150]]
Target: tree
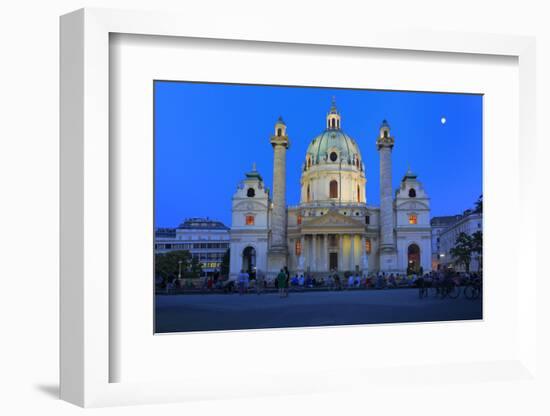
[[479, 205], [477, 246], [224, 267], [167, 265], [462, 251], [195, 268]]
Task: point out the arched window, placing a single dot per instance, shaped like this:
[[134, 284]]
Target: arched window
[[412, 193], [279, 132], [333, 189], [333, 156], [308, 162], [308, 194], [358, 193], [385, 134], [413, 219], [249, 220], [368, 246], [333, 123], [250, 193]]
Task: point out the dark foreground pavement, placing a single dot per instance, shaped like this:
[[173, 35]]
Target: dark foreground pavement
[[179, 313]]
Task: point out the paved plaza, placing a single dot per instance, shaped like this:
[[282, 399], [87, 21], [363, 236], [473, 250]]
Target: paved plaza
[[207, 312]]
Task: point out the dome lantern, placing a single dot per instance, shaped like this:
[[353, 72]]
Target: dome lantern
[[333, 117]]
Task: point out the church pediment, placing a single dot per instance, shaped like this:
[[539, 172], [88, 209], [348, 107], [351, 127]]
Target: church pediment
[[332, 219]]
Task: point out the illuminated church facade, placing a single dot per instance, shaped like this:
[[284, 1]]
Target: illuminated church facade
[[333, 228]]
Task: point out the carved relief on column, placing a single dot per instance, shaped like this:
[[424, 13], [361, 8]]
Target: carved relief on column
[[363, 251], [301, 262]]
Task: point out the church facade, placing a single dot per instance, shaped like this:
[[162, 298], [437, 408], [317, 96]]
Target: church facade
[[333, 228]]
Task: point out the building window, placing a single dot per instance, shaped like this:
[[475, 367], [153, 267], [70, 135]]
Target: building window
[[412, 193], [413, 219], [298, 248], [368, 246], [249, 220], [279, 132], [367, 219], [358, 194], [299, 219], [333, 156], [250, 193], [385, 134], [308, 195], [308, 163], [333, 189]]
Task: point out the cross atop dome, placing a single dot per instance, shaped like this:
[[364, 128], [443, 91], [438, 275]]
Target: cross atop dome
[[333, 117]]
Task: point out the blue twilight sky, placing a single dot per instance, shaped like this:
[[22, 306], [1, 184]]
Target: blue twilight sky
[[208, 135]]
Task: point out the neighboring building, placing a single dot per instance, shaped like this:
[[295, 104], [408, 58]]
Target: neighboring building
[[440, 224], [333, 227], [445, 231], [206, 239]]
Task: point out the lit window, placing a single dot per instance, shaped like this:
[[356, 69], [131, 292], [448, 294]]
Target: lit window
[[413, 219], [299, 220], [367, 246], [298, 247], [249, 220]]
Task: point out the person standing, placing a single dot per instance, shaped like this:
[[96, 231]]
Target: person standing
[[287, 283], [243, 278], [281, 283]]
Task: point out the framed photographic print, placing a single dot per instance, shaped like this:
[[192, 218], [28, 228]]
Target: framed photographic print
[[346, 234], [229, 199]]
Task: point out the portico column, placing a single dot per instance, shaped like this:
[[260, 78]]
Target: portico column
[[324, 253], [352, 253], [313, 253], [340, 251]]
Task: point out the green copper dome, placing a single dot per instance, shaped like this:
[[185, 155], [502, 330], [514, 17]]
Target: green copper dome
[[333, 140]]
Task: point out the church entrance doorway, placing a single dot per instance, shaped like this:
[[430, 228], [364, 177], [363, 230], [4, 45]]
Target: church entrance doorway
[[413, 256], [333, 261], [249, 261]]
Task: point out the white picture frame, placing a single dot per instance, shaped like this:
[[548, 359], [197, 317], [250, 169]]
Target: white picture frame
[[85, 201]]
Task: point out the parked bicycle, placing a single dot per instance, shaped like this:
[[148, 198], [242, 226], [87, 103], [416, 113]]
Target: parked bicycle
[[473, 290]]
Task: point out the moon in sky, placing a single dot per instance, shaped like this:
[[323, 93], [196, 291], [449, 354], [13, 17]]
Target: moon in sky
[[443, 120]]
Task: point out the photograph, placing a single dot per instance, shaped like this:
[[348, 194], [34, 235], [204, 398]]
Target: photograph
[[279, 206]]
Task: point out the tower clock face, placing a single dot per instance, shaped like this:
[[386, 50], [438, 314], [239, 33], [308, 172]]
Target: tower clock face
[[333, 156]]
